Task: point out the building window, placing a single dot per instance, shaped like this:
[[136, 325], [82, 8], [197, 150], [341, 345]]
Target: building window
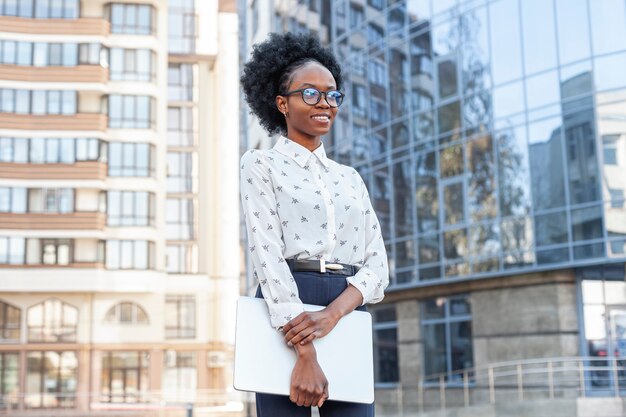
[[181, 26], [131, 19], [45, 54], [10, 321], [180, 172], [12, 200], [616, 195], [377, 73], [131, 112], [180, 317], [50, 200], [9, 380], [38, 102], [124, 377], [375, 34], [50, 251], [12, 250], [129, 254], [180, 126], [447, 330], [385, 344], [182, 258], [377, 4], [180, 219], [131, 64], [51, 379], [51, 150], [180, 376], [357, 15], [130, 208], [41, 9], [127, 313], [52, 321], [131, 159], [180, 82]]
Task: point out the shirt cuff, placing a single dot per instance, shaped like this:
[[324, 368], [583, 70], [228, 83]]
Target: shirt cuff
[[365, 283], [282, 313]]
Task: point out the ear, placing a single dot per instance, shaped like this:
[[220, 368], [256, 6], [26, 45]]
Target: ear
[[281, 104]]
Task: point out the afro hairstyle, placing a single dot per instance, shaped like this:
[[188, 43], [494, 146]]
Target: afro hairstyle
[[270, 70]]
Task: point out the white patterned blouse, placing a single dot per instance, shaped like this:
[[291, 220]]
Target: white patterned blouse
[[301, 204]]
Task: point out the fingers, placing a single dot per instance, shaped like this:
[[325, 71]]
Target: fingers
[[324, 396], [309, 334], [309, 338], [294, 322]]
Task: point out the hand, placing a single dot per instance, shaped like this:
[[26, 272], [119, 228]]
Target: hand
[[310, 325], [309, 385]]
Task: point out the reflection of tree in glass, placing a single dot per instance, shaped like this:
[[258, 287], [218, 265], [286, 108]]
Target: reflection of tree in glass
[[482, 197]]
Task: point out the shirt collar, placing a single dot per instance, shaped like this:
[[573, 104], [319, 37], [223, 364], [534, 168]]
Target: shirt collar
[[299, 153]]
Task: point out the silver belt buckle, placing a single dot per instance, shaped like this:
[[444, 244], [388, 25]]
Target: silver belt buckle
[[324, 266]]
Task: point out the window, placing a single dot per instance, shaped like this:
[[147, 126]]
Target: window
[[129, 254], [38, 101], [51, 150], [180, 126], [130, 208], [377, 73], [52, 321], [131, 64], [385, 344], [124, 377], [180, 81], [10, 321], [181, 26], [375, 34], [180, 170], [180, 317], [130, 159], [180, 376], [131, 112], [359, 103], [182, 258], [377, 4], [127, 313], [9, 380], [12, 250], [131, 19], [49, 251], [180, 219], [616, 195], [12, 200], [610, 149], [447, 335], [357, 15], [57, 9], [51, 379], [50, 200]]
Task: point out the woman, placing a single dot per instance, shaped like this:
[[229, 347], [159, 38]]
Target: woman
[[314, 237]]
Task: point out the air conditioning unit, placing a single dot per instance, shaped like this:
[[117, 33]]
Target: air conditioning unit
[[216, 359]]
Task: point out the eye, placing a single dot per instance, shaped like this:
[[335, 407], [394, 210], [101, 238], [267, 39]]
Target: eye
[[310, 92]]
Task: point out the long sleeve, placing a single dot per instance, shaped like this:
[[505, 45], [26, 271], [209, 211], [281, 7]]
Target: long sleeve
[[373, 277], [266, 241]]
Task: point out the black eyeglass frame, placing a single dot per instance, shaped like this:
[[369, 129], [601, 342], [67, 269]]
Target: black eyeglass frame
[[324, 93]]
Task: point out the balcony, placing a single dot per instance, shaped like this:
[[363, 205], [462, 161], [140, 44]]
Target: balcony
[[53, 221], [80, 121], [85, 170], [82, 26], [76, 74]]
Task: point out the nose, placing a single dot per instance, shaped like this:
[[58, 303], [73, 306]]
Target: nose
[[323, 103]]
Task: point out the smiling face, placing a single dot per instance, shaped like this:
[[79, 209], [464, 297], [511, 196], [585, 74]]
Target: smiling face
[[307, 123]]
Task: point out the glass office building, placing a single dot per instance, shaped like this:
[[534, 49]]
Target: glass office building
[[492, 138]]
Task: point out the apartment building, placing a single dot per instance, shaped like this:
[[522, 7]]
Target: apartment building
[[119, 256]]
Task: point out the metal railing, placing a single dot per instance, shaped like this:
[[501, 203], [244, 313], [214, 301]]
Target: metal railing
[[524, 380]]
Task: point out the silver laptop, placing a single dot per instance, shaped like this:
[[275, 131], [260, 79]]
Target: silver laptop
[[263, 361]]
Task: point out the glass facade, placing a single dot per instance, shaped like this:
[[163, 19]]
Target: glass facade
[[490, 133]]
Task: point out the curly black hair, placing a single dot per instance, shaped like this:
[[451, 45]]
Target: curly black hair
[[270, 70]]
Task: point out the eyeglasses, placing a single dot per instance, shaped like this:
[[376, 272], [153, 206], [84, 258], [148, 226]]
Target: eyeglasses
[[312, 96]]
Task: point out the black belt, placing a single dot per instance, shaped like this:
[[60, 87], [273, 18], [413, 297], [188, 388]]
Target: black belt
[[320, 265]]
